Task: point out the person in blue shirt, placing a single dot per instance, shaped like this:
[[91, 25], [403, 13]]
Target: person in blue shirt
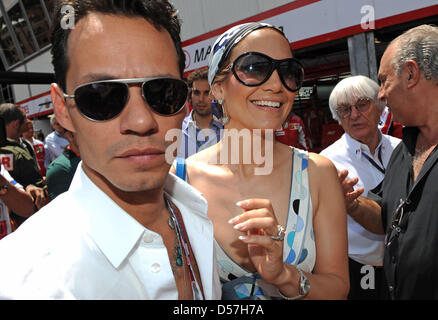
[[201, 129]]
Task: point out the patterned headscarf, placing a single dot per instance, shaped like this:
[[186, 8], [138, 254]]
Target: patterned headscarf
[[227, 41]]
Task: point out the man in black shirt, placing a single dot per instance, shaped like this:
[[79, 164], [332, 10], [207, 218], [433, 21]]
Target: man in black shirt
[[25, 169], [406, 209]]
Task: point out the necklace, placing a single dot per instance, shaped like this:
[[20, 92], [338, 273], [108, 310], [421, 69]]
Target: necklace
[[178, 257], [182, 256]]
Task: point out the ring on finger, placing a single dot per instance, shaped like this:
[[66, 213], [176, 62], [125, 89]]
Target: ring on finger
[[280, 233]]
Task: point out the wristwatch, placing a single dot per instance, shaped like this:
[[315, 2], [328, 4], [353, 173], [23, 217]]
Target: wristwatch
[[303, 287]]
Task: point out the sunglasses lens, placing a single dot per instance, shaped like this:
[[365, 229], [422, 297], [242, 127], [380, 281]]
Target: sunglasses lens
[[252, 69], [101, 101], [292, 74], [105, 100], [165, 96]]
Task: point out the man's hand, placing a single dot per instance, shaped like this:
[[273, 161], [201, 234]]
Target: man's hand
[[38, 196], [350, 194]]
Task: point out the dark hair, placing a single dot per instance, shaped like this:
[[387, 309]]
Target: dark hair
[[40, 135], [159, 13], [11, 112], [200, 74]]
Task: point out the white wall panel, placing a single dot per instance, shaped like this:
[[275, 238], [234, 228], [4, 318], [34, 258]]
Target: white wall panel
[[41, 63], [265, 5], [202, 16], [191, 12]]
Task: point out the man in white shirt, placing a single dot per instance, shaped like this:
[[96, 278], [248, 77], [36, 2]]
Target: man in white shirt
[[365, 153], [55, 142], [126, 228]]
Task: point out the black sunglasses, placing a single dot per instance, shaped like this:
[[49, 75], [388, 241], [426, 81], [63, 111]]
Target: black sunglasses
[[398, 225], [255, 68], [104, 100]]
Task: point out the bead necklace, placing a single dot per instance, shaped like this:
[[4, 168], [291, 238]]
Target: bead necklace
[[178, 258], [181, 253]]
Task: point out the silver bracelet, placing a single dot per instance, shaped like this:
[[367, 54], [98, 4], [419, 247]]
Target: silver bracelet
[[303, 287]]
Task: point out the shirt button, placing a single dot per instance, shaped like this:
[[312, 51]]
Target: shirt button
[[148, 238], [155, 267], [393, 259], [391, 288]]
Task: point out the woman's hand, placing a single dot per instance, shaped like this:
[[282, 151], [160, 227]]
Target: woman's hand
[[259, 223]]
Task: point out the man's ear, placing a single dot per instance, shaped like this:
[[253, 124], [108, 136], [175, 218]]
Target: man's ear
[[15, 124], [413, 73], [61, 110]]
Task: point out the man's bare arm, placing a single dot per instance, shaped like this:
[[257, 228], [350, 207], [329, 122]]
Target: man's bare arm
[[16, 200]]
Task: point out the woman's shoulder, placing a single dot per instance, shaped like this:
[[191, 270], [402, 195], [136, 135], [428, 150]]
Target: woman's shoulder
[[321, 168], [320, 161], [204, 162]]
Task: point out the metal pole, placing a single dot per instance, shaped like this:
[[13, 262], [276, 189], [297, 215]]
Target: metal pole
[[4, 60], [46, 13], [29, 26], [11, 31]]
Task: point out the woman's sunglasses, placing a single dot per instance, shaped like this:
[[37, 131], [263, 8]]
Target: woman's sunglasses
[[104, 100], [255, 68]]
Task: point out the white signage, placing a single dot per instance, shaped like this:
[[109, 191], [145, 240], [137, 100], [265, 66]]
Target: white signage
[[309, 22], [38, 105]]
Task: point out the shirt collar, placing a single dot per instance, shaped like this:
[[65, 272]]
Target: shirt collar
[[116, 232], [113, 229], [188, 121], [410, 135], [358, 147]]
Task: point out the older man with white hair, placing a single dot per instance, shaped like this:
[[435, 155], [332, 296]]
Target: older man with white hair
[[364, 151], [406, 210]]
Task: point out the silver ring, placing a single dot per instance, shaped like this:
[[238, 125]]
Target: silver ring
[[280, 233]]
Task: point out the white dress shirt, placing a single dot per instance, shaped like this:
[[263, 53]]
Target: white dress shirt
[[82, 245], [54, 145], [347, 153]]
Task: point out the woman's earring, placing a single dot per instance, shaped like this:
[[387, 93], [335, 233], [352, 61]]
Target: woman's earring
[[225, 119]]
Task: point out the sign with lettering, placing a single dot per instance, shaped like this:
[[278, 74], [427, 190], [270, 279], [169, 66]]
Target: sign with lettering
[[38, 105], [310, 22], [7, 161]]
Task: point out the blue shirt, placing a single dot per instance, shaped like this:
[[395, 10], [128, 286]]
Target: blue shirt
[[194, 139]]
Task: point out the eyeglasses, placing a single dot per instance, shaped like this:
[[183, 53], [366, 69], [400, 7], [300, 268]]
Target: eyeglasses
[[255, 68], [362, 105], [104, 100]]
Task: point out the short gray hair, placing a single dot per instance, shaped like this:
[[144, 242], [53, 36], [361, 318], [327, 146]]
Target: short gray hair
[[348, 90], [421, 45]]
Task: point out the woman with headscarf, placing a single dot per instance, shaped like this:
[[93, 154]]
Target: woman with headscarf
[[278, 213]]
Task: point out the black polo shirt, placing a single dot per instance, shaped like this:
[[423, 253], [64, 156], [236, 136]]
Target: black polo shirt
[[411, 259]]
